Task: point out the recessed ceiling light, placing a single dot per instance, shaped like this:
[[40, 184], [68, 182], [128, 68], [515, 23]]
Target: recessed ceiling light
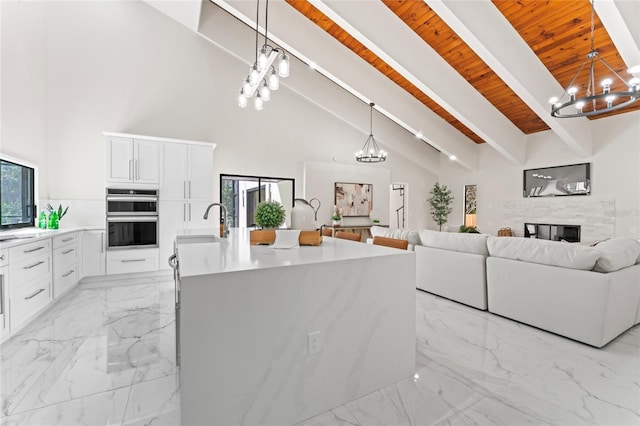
[[313, 65], [452, 157]]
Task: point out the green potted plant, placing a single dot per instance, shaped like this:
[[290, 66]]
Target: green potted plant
[[440, 204], [468, 229], [55, 216], [269, 214], [376, 221]]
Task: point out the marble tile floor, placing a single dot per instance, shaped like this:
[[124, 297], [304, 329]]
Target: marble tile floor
[[104, 355]]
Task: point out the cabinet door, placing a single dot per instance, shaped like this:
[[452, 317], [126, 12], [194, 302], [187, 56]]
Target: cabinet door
[[120, 168], [93, 253], [195, 212], [173, 216], [173, 182], [145, 162], [201, 177], [4, 302]]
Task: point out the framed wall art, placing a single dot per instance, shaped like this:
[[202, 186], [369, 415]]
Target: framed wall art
[[355, 199]]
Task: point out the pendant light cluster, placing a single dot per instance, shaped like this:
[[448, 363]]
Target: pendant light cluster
[[263, 78], [370, 152], [593, 103]]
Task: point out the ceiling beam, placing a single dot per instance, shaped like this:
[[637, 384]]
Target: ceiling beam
[[512, 59], [307, 41], [613, 20], [415, 60]]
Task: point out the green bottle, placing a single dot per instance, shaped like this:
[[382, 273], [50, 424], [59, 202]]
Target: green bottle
[[42, 220], [53, 220]]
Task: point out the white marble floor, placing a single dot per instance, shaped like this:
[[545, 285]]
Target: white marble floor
[[104, 355]]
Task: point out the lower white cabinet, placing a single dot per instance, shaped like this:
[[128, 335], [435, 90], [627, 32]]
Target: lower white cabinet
[[4, 300], [134, 260], [30, 285], [93, 253], [65, 262]]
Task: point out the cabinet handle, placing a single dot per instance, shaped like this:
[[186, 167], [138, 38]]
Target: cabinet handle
[[34, 265], [130, 167], [189, 212], [137, 170], [189, 189], [32, 250], [1, 256], [184, 212], [131, 260], [34, 294], [68, 273], [67, 239], [68, 251], [102, 242]]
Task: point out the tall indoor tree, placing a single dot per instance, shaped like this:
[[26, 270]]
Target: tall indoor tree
[[440, 203]]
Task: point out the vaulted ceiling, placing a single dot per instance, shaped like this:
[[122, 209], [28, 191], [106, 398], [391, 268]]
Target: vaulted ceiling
[[487, 68]]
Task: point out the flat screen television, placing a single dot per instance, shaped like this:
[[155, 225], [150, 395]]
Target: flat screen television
[[573, 179]]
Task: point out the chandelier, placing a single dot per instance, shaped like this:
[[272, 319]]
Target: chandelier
[[370, 152], [594, 103], [263, 78]]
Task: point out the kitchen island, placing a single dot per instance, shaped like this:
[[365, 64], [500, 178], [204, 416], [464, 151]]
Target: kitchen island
[[272, 336]]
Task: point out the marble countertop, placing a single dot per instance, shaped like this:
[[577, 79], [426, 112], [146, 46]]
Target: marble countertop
[[27, 235], [236, 254]]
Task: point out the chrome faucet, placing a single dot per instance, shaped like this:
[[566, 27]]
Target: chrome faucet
[[224, 231]]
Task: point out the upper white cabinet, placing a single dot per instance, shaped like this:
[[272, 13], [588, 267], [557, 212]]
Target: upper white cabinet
[[187, 172], [132, 161]]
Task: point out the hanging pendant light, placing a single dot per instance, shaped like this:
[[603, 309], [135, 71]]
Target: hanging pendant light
[[264, 76], [370, 152], [593, 103]]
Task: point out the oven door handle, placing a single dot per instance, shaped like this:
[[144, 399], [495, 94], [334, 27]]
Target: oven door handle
[[133, 219], [132, 199]]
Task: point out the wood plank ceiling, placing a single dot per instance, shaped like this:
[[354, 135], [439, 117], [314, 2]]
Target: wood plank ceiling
[[557, 31]]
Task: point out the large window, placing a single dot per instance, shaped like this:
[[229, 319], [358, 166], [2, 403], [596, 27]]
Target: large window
[[17, 194], [241, 195]]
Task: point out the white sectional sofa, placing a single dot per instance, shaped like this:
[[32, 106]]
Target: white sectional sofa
[[453, 266], [589, 294]]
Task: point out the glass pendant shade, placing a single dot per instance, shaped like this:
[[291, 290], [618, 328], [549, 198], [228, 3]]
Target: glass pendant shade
[[257, 102], [265, 93], [262, 59], [274, 81], [283, 66], [242, 100]]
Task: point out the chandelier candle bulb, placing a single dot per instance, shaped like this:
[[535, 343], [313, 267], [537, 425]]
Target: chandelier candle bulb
[[242, 100], [606, 85], [258, 103]]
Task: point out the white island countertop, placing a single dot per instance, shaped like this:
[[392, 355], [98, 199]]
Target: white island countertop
[[236, 254]]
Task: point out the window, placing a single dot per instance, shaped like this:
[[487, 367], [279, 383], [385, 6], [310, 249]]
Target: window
[[242, 194], [17, 194]]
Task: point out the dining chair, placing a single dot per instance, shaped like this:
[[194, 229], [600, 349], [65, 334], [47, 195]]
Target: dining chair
[[348, 236], [391, 242]]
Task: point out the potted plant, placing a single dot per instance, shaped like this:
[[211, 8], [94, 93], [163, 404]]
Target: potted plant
[[376, 221], [336, 217], [440, 204], [468, 229], [269, 214], [55, 216]]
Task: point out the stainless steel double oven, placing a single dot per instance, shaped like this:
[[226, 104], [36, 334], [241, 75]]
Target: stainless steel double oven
[[132, 218]]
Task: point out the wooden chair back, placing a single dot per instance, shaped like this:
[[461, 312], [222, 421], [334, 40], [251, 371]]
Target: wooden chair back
[[391, 242], [327, 232], [348, 235]]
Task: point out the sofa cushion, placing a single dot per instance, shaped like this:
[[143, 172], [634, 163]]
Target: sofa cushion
[[399, 234], [617, 253], [463, 242], [554, 253]]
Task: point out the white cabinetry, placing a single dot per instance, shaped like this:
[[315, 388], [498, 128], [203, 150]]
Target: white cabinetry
[[186, 189], [132, 161], [93, 253], [134, 260], [30, 286], [65, 263], [4, 293]]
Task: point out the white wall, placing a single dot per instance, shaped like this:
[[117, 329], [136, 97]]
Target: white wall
[[125, 67], [614, 174]]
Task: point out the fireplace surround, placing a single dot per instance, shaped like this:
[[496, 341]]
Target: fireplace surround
[[554, 232]]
